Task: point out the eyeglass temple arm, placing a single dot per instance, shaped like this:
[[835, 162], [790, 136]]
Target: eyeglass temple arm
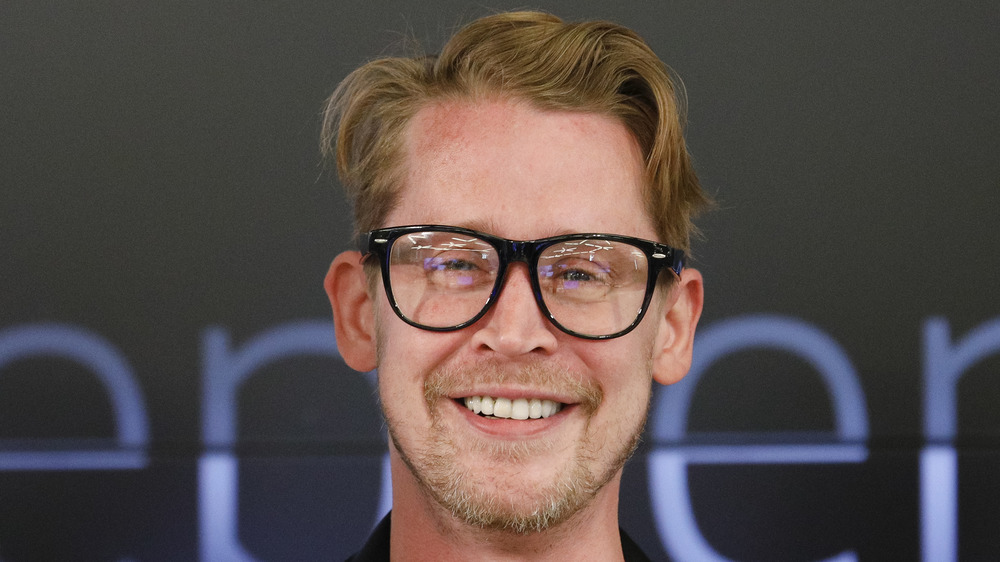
[[366, 241], [677, 260]]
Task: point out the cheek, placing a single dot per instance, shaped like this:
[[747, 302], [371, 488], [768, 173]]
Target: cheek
[[407, 353], [625, 375], [624, 362]]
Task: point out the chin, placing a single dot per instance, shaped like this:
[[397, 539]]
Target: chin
[[518, 505], [503, 491]]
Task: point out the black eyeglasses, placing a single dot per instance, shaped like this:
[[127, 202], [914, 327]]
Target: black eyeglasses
[[593, 286]]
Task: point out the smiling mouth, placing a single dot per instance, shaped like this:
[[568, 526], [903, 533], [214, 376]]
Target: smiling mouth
[[505, 408]]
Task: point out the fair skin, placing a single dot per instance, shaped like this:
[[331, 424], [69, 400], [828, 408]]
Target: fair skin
[[511, 170]]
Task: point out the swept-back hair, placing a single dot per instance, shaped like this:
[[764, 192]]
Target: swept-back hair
[[595, 66]]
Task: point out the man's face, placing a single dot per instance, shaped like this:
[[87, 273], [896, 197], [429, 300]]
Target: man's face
[[520, 173]]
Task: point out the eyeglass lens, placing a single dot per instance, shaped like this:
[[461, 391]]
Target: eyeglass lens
[[593, 287]]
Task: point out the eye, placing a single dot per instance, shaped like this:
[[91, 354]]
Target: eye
[[450, 264], [578, 276], [582, 270], [459, 270]]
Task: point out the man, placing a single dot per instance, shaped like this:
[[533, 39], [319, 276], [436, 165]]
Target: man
[[515, 377]]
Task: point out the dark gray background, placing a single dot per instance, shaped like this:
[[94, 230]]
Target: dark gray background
[[159, 175]]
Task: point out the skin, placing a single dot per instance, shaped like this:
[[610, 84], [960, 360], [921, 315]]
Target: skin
[[506, 168]]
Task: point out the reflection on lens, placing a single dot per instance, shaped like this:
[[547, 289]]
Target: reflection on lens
[[442, 279], [591, 286]]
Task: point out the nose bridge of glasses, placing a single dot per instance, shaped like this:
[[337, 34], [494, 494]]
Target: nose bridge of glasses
[[518, 251], [514, 252]]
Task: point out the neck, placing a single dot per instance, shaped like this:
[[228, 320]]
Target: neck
[[423, 530]]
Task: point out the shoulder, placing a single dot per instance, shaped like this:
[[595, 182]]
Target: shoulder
[[630, 550], [376, 548]]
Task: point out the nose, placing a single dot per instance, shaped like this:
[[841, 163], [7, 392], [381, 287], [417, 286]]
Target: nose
[[515, 325]]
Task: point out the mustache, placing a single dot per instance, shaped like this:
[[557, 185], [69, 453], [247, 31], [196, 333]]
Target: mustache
[[447, 380]]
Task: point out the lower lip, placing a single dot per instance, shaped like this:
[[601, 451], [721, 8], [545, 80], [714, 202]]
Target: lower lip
[[509, 428]]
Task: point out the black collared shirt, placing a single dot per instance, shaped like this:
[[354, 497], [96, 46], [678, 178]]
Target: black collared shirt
[[377, 547]]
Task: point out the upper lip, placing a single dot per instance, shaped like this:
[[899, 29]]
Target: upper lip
[[514, 394]]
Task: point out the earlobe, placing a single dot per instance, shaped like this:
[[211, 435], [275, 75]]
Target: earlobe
[[353, 319], [672, 356]]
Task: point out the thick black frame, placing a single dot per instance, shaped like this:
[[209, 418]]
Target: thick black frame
[[659, 257]]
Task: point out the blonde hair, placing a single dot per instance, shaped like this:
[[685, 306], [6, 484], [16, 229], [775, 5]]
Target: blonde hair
[[596, 66]]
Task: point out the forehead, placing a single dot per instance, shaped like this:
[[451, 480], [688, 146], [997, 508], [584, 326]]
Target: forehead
[[521, 172]]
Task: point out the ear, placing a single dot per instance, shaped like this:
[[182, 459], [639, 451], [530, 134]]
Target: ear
[[353, 312], [672, 355]]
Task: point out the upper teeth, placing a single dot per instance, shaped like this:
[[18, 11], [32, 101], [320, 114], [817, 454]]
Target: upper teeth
[[518, 409]]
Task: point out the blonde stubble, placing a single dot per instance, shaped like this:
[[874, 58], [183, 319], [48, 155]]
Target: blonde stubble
[[480, 500]]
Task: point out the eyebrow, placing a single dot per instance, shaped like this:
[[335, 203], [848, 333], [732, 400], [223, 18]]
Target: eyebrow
[[490, 226]]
